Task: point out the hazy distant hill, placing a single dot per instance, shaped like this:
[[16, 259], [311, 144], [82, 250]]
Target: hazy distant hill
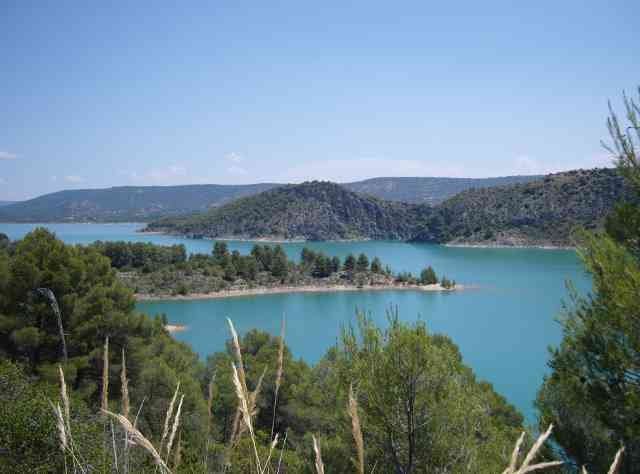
[[6, 203], [312, 211], [126, 203], [144, 203], [541, 212], [429, 190]]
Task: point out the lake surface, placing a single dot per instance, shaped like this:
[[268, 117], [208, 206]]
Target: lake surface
[[503, 327]]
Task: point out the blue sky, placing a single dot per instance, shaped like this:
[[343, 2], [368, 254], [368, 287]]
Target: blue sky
[[97, 94]]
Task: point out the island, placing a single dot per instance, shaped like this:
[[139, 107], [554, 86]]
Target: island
[[155, 272]]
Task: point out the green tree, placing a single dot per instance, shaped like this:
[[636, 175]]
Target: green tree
[[376, 265], [349, 263], [409, 427], [220, 252], [428, 276], [362, 264], [593, 392]]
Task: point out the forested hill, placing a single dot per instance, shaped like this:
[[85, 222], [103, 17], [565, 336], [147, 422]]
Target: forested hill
[[429, 190], [125, 203], [541, 212], [309, 211], [145, 203]]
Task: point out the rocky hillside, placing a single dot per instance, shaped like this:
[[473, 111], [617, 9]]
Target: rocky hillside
[[429, 190], [542, 212], [309, 211], [538, 213]]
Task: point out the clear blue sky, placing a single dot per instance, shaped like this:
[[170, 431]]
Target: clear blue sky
[[96, 95]]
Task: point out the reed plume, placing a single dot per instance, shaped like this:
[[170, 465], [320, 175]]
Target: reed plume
[[316, 449], [176, 423], [356, 430], [125, 387], [244, 410], [279, 373], [526, 464], [65, 399], [167, 417], [238, 353], [615, 466], [60, 425], [105, 376], [138, 438]]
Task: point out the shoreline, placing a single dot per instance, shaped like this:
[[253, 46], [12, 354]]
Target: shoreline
[[296, 289], [478, 245], [507, 246]]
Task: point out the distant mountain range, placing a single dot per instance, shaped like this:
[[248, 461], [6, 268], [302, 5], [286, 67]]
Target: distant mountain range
[[6, 203], [540, 212], [145, 203], [125, 203], [429, 190]]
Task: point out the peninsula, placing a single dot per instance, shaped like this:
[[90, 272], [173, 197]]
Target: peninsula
[[156, 272]]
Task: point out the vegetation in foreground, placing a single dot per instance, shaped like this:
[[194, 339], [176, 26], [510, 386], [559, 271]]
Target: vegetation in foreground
[[593, 392], [153, 270], [455, 420]]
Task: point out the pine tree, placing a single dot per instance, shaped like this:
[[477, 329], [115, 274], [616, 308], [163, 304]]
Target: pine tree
[[593, 392]]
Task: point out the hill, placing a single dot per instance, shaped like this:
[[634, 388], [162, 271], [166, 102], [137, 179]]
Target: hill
[[429, 190], [538, 213], [145, 203], [6, 203], [309, 211], [125, 203], [542, 212]]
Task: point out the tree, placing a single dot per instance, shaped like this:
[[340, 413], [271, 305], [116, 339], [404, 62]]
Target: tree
[[593, 392], [362, 264], [401, 374], [220, 252], [349, 263], [376, 265], [279, 264], [428, 276], [335, 264]]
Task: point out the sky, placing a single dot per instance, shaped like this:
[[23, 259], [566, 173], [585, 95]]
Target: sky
[[99, 94]]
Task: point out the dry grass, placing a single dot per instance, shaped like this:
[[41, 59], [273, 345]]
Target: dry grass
[[104, 405], [174, 429], [356, 430], [168, 415], [533, 452], [316, 449], [124, 382], [279, 373], [137, 437]]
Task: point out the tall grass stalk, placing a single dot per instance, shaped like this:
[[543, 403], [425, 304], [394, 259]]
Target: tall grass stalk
[[356, 430], [104, 405], [279, 374], [316, 449], [139, 439]]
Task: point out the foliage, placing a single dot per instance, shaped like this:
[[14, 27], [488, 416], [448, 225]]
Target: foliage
[[93, 304], [428, 276], [593, 391], [310, 211]]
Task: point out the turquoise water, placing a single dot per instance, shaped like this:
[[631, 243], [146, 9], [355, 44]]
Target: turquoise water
[[503, 327]]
